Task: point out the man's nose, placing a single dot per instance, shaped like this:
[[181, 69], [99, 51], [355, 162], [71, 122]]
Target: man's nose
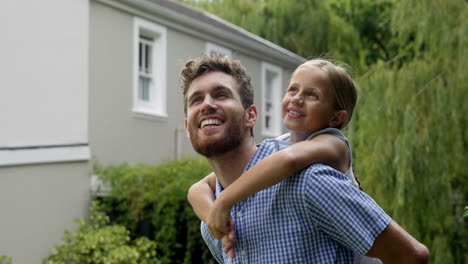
[[209, 104]]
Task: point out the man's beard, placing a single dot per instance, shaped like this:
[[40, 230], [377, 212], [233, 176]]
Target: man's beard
[[227, 143]]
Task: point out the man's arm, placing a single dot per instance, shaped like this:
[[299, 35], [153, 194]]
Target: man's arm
[[395, 245], [354, 219]]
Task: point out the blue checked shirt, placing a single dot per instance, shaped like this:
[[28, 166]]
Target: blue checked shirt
[[315, 216]]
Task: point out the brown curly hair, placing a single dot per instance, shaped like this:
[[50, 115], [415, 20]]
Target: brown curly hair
[[195, 68]]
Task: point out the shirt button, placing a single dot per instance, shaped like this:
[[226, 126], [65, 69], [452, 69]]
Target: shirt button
[[239, 214], [243, 252]]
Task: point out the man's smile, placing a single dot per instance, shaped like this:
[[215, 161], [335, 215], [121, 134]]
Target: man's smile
[[211, 122]]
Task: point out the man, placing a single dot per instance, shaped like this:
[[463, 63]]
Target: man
[[312, 217]]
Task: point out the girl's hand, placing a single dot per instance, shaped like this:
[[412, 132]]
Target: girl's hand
[[229, 241], [219, 220]]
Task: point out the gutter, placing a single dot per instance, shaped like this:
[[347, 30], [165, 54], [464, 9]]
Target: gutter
[[224, 33]]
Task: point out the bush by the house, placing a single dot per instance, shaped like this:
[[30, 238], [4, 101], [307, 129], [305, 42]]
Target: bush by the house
[[151, 201], [95, 241], [5, 259]]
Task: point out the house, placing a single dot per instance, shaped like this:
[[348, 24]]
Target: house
[[97, 81]]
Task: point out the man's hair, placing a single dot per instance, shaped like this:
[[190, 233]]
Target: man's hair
[[342, 86], [195, 68]]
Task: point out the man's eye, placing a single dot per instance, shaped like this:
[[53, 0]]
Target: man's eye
[[221, 95], [195, 100]]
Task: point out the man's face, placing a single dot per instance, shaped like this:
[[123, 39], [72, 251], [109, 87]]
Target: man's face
[[216, 118]]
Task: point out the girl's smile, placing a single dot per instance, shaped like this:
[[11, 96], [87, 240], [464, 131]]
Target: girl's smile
[[308, 104]]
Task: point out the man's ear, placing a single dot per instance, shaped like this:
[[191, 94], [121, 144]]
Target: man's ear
[[251, 116], [338, 118], [186, 129]]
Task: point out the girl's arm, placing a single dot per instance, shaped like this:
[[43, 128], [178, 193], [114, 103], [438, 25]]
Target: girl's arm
[[201, 196], [326, 149]]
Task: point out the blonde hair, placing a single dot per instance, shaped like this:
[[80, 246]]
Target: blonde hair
[[342, 86]]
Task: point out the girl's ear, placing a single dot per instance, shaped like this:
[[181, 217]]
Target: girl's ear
[[338, 117], [251, 116]]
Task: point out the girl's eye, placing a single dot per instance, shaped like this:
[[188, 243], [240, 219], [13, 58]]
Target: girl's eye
[[312, 94], [292, 90]]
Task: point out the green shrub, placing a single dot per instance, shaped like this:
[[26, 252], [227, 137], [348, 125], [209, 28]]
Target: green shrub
[[5, 259], [151, 201], [95, 241]]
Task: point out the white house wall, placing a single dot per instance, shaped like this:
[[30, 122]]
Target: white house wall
[[37, 203], [44, 152], [117, 135], [43, 67]]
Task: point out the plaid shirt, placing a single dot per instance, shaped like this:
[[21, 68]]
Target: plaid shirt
[[315, 216]]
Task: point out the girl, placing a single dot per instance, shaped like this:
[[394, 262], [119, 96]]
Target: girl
[[319, 101]]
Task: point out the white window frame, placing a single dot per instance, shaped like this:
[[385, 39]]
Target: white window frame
[[214, 48], [157, 35], [274, 114]]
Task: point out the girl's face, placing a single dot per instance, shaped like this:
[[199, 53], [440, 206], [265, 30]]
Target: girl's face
[[308, 103]]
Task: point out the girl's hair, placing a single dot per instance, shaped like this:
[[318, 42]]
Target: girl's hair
[[342, 85], [343, 88]]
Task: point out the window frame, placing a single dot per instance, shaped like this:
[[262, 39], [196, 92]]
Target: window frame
[[156, 36], [275, 91]]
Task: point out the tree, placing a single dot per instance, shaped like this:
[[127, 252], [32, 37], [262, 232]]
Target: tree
[[357, 32], [371, 19], [306, 27], [410, 132]]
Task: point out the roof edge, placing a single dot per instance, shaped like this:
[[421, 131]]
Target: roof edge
[[226, 33]]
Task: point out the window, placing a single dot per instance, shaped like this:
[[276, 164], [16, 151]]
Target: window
[[149, 95], [271, 100], [216, 49], [144, 68]]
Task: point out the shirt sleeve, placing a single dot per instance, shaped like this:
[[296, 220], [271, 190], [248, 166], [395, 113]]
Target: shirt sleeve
[[340, 210], [213, 244]]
